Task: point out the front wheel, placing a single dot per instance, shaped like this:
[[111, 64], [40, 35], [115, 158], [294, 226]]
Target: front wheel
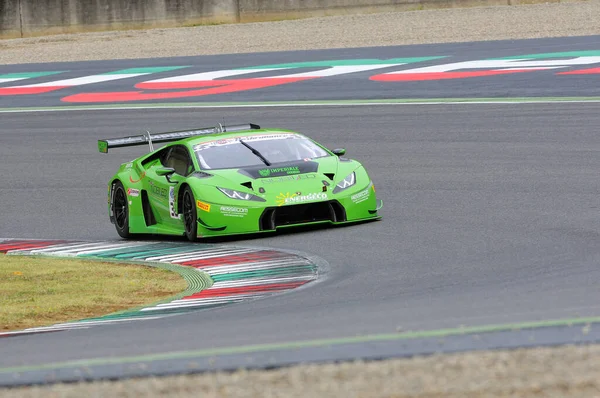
[[190, 215], [121, 210]]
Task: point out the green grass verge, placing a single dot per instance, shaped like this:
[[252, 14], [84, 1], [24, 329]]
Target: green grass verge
[[39, 291]]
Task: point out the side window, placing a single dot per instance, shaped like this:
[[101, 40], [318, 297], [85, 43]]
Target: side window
[[160, 155], [179, 159], [164, 156]]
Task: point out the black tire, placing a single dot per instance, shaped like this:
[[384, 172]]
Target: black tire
[[190, 214], [120, 208]]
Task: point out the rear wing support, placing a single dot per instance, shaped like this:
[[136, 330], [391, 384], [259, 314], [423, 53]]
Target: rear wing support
[[149, 138]]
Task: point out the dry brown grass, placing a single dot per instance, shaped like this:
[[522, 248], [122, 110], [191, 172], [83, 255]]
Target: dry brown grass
[[42, 291], [561, 372]]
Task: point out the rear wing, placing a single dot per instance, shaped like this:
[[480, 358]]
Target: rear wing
[[149, 138]]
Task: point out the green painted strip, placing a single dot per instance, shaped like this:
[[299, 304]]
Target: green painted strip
[[345, 62], [125, 250], [302, 270], [371, 102], [181, 355], [137, 71], [567, 54], [27, 75], [152, 251], [160, 312]]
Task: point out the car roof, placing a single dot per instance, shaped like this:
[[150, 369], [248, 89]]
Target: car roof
[[244, 133]]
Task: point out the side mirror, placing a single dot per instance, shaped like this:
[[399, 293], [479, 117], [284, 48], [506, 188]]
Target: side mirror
[[166, 172], [339, 151]]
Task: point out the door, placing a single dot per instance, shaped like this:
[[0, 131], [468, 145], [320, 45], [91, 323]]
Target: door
[[163, 193]]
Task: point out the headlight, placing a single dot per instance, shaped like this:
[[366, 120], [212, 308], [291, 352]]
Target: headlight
[[230, 193], [345, 183]]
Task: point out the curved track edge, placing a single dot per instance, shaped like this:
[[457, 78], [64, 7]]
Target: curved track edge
[[216, 274]]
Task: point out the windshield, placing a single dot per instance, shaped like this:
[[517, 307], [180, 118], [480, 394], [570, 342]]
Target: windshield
[[274, 148]]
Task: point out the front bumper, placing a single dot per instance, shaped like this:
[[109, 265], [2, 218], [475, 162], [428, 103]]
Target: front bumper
[[220, 219]]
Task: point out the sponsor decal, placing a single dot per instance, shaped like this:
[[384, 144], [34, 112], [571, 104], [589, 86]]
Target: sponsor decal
[[203, 206], [360, 196], [279, 170], [172, 211], [295, 198], [230, 211], [133, 192], [128, 165], [288, 178], [285, 169], [233, 140], [262, 137]]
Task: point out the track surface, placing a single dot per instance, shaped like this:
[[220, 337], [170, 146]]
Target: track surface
[[354, 85], [491, 215]]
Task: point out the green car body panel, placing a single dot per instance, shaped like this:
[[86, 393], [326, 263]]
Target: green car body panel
[[281, 195]]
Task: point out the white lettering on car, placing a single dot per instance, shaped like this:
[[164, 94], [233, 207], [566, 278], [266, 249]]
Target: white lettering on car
[[230, 211]]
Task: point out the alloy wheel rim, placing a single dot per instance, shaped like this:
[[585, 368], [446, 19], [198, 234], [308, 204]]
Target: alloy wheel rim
[[187, 212], [120, 208]]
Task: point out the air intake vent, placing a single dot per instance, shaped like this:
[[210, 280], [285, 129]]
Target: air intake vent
[[147, 209], [200, 174], [300, 214], [331, 176], [247, 185]]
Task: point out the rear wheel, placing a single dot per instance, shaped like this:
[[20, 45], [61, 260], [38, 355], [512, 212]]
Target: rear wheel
[[190, 215], [120, 208]]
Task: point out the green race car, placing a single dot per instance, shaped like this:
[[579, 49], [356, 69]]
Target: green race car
[[229, 180]]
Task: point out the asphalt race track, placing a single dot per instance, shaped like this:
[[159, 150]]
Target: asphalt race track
[[491, 215]]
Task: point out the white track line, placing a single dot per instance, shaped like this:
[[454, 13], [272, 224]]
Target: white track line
[[215, 106]]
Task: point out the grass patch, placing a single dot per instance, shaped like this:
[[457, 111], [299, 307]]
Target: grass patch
[[40, 291]]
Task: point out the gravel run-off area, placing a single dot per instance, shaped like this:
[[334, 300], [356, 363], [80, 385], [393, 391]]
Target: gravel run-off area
[[567, 371], [385, 29]]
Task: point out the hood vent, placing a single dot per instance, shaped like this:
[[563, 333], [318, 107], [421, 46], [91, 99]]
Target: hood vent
[[247, 185], [331, 176], [200, 174]]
